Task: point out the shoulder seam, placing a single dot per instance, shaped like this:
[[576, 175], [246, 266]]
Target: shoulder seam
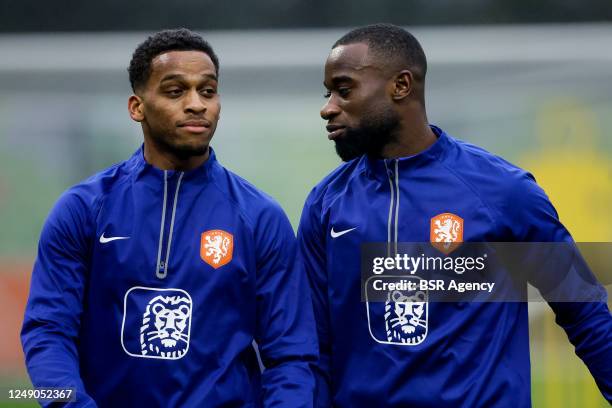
[[324, 190], [340, 193], [492, 209], [234, 204], [107, 192]]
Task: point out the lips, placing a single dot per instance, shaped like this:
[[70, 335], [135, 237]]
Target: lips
[[335, 131], [195, 126]]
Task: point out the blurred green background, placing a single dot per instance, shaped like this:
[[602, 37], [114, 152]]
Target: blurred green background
[[539, 95]]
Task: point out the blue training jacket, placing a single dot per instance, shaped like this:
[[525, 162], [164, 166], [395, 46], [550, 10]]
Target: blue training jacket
[[460, 354], [150, 287]]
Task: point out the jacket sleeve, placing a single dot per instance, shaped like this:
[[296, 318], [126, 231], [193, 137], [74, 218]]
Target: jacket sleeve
[[312, 255], [588, 324], [52, 316], [285, 325]]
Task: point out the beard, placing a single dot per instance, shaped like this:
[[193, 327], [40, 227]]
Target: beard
[[182, 150], [185, 151], [375, 131]]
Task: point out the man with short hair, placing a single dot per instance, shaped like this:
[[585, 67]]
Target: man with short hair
[[405, 180], [154, 277]]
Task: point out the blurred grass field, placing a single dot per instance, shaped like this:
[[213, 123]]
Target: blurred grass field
[[558, 377]]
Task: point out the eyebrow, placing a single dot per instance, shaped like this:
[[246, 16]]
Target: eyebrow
[[342, 78], [171, 77], [339, 79]]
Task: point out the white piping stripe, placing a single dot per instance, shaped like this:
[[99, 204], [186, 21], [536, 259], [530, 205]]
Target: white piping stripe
[[390, 211], [178, 185], [161, 230], [397, 202]]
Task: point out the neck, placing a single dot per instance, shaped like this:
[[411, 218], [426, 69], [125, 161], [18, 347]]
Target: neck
[[410, 140], [170, 161]]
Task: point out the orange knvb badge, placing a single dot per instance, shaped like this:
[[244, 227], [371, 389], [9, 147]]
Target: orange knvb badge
[[446, 232], [216, 247]]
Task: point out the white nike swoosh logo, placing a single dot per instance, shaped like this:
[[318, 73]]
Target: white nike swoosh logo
[[104, 240], [335, 234]]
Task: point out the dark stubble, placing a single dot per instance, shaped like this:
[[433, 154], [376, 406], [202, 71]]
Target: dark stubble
[[377, 128], [168, 142]]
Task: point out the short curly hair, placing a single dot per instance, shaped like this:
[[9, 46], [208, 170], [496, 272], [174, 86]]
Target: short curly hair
[[180, 39]]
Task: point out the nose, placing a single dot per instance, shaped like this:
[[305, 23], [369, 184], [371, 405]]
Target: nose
[[170, 323], [330, 109], [195, 102]]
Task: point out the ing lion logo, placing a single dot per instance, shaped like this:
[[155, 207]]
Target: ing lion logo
[[406, 318], [446, 232], [165, 327], [216, 247]]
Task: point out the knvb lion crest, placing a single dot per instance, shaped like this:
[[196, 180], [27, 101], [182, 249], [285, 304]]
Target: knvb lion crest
[[402, 317], [446, 232], [164, 332], [216, 247], [156, 323], [406, 318]]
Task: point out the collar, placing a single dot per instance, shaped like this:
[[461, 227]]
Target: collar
[[142, 170], [379, 167]]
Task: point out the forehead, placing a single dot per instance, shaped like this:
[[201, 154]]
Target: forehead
[[349, 55], [181, 63], [350, 59]]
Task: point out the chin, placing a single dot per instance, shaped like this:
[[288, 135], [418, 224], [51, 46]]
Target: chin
[[345, 155], [180, 145], [190, 150], [347, 150]]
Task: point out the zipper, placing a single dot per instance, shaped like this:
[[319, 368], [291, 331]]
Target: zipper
[[392, 169], [167, 224]]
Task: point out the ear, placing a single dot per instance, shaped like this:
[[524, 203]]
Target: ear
[[158, 307], [136, 108], [184, 309], [404, 82]]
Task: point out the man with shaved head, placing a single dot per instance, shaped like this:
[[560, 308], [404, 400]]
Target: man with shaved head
[[406, 180]]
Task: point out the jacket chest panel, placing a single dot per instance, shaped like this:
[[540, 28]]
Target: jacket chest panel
[[207, 244]]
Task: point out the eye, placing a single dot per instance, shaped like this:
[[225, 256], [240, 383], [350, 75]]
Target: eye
[[209, 92], [174, 92], [343, 92]]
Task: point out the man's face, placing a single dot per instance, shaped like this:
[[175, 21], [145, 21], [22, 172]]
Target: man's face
[[360, 113], [180, 103]]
